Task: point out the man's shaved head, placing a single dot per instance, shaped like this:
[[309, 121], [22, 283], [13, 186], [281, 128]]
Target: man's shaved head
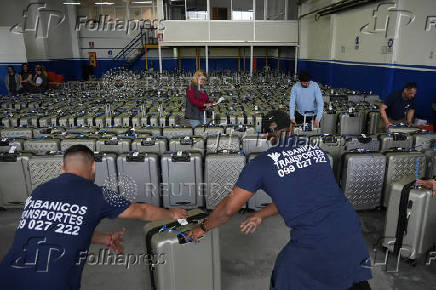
[[79, 160]]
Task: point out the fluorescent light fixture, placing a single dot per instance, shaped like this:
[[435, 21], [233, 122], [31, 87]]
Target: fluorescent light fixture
[[142, 2], [104, 3], [71, 3]]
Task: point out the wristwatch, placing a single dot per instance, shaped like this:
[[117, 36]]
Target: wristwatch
[[203, 226]]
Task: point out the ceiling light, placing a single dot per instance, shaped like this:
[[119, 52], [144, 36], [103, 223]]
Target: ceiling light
[[142, 2], [104, 3]]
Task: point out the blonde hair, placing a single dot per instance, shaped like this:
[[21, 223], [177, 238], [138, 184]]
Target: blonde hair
[[198, 74]]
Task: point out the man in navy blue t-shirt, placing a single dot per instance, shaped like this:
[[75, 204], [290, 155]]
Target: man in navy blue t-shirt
[[327, 249], [58, 222], [399, 106]]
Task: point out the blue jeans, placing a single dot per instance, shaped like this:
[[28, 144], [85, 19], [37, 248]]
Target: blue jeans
[[196, 123]]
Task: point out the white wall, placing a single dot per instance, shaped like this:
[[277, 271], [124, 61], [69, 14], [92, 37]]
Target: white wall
[[333, 37], [60, 38], [416, 46], [12, 48], [11, 11], [372, 46], [315, 38]]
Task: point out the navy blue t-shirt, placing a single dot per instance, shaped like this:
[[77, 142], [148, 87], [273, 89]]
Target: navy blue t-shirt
[[327, 250], [54, 234], [397, 106], [299, 180]]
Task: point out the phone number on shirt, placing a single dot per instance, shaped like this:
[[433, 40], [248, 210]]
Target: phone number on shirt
[[38, 225]]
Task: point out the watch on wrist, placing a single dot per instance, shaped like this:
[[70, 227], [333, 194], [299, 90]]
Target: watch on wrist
[[203, 226]]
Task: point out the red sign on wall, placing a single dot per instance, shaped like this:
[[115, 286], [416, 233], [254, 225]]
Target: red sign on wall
[[91, 44], [160, 36]]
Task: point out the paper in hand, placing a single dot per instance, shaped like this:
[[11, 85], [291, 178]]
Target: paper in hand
[[220, 100]]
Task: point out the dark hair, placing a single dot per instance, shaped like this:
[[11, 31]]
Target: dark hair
[[304, 76], [10, 66], [281, 118], [410, 85], [79, 149]]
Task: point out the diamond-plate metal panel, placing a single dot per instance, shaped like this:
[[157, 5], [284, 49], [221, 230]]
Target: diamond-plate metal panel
[[221, 173], [388, 142], [65, 144], [353, 143], [41, 146], [363, 181], [220, 143], [424, 141], [44, 168], [401, 166], [16, 132], [208, 131]]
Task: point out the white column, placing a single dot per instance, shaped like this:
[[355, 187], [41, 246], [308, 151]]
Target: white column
[[265, 9], [207, 58], [159, 9], [286, 9], [127, 11], [251, 61], [72, 16], [160, 58], [296, 61]]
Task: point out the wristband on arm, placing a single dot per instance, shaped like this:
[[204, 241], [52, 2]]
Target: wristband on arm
[[109, 245]]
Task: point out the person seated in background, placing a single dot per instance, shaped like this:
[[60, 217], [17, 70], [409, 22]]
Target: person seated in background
[[40, 81], [25, 79], [58, 225], [44, 71], [327, 249], [399, 106], [196, 100], [12, 81], [306, 97]]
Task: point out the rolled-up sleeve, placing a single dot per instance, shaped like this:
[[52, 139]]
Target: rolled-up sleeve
[[292, 103], [250, 178], [319, 102]]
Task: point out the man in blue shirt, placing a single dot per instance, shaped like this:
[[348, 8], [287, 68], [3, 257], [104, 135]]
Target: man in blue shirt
[[58, 222], [399, 106], [306, 97], [327, 250]]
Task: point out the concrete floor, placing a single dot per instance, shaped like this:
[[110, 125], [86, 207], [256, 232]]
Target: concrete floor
[[247, 261]]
